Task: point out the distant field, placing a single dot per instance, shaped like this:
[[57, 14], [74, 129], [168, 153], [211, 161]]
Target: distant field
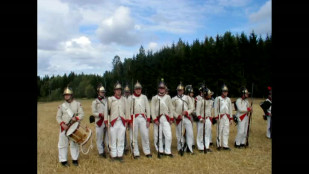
[[255, 159]]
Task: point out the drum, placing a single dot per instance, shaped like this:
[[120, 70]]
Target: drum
[[78, 134]]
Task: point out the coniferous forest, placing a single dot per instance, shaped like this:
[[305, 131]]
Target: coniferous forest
[[236, 60]]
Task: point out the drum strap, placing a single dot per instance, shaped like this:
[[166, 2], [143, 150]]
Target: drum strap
[[90, 147], [68, 110]]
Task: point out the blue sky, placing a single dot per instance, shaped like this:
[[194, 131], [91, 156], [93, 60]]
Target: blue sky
[[84, 36]]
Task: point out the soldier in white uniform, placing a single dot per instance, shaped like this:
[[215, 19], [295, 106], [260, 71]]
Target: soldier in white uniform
[[183, 107], [243, 108], [99, 111], [162, 114], [140, 119], [197, 98], [266, 106], [204, 111], [118, 123], [127, 95], [190, 93], [68, 112], [223, 103]]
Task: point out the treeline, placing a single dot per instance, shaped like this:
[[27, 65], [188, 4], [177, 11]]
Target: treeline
[[234, 60]]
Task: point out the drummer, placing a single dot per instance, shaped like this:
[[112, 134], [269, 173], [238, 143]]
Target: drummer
[[69, 112]]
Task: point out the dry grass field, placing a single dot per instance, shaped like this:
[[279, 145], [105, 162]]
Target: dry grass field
[[254, 159]]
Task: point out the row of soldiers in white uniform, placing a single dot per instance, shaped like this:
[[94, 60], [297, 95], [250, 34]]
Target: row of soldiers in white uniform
[[117, 112]]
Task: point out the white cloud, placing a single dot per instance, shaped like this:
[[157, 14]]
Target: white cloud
[[233, 3], [263, 13], [261, 20], [56, 23], [119, 28], [153, 46]]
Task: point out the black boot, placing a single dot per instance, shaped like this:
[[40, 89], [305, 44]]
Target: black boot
[[103, 155], [236, 146], [149, 156], [226, 148], [65, 164], [75, 162]]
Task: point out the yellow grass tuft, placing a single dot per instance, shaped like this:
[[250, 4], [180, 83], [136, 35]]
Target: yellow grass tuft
[[255, 159]]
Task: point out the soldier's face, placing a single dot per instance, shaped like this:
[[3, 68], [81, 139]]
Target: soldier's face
[[162, 90], [179, 92], [127, 93], [67, 96], [102, 94], [117, 92], [225, 93], [138, 91], [191, 94]]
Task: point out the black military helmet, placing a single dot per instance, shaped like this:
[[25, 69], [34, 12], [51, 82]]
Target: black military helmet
[[244, 90], [224, 88], [201, 88], [188, 89]]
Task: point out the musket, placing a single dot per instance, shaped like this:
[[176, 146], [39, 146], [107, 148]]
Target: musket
[[158, 141], [181, 126], [132, 141], [205, 150], [250, 115], [218, 130], [108, 131]]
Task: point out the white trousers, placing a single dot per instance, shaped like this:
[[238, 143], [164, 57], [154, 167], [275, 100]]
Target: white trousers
[[268, 133], [210, 135], [164, 128], [117, 133], [63, 144], [224, 130], [99, 137], [242, 128], [199, 137], [189, 133], [140, 126]]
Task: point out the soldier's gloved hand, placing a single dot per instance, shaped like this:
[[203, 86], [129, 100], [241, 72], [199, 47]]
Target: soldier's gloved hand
[[156, 122], [147, 124], [64, 126]]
